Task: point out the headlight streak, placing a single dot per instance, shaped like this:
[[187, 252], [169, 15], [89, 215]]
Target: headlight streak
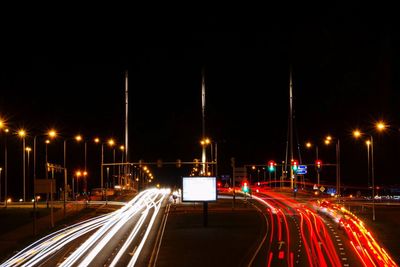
[[133, 234], [50, 249], [130, 238], [100, 234], [139, 249], [50, 244], [44, 244]]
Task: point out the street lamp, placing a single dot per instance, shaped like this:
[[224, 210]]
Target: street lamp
[[108, 175], [85, 173], [22, 134], [357, 134], [204, 142], [309, 146], [110, 142], [368, 143], [28, 150], [122, 148], [47, 141], [51, 134], [328, 141], [5, 130], [77, 175], [79, 138], [1, 169]]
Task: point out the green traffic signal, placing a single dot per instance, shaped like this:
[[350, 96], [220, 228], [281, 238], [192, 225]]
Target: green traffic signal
[[271, 168], [245, 187]]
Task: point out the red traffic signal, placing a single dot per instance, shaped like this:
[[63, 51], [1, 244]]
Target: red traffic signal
[[318, 164]]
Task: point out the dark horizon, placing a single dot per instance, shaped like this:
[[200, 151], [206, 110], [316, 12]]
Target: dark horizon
[[344, 66]]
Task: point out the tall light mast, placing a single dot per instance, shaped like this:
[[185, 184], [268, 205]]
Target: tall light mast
[[292, 175], [203, 111], [126, 116]]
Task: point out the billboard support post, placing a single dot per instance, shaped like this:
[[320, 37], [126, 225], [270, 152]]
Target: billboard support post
[[200, 189]]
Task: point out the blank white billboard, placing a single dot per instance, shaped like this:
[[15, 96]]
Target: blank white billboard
[[199, 189]]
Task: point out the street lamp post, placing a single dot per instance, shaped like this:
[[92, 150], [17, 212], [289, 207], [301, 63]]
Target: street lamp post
[[111, 143], [5, 200], [22, 134], [357, 134], [338, 167], [101, 173], [46, 171], [34, 184], [28, 150], [309, 145], [328, 140], [77, 175], [368, 143], [65, 176], [113, 174], [5, 130], [79, 138], [5, 167], [204, 142], [373, 178], [122, 148], [108, 174]]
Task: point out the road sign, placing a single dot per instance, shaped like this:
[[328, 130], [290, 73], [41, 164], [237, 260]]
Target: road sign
[[302, 169], [322, 189]]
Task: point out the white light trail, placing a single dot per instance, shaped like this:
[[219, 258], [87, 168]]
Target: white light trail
[[105, 226]]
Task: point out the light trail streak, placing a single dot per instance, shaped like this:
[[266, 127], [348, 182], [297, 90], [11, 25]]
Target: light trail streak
[[363, 243], [105, 226], [318, 245], [135, 231]]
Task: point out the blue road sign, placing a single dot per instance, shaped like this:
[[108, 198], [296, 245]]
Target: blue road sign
[[302, 169]]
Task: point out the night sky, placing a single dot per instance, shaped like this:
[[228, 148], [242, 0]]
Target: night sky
[[67, 72]]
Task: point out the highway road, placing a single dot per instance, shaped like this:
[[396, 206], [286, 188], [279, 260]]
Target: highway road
[[115, 239], [297, 235]]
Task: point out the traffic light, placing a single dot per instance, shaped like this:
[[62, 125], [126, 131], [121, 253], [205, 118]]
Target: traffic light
[[318, 165], [271, 165], [245, 187], [178, 163], [159, 163], [295, 165]]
